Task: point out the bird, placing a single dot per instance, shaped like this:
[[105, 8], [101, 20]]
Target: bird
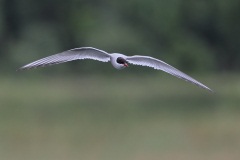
[[118, 61]]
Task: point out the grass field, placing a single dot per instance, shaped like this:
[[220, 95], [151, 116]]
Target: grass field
[[119, 118]]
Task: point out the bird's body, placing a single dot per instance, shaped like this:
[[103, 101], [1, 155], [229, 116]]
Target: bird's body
[[118, 61]]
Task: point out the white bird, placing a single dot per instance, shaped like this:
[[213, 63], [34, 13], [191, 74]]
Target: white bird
[[119, 61]]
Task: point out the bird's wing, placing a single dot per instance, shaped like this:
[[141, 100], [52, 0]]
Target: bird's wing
[[160, 65], [70, 55]]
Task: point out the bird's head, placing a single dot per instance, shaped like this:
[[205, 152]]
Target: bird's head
[[122, 61]]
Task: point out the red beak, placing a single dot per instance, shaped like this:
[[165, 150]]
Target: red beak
[[125, 64]]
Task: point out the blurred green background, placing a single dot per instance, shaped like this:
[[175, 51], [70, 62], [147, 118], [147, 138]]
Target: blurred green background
[[89, 110]]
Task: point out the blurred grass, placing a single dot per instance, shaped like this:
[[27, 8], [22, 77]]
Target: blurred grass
[[119, 117]]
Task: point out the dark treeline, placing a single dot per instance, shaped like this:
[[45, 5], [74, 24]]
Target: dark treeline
[[192, 35]]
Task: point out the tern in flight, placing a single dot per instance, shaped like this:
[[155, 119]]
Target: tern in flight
[[119, 61]]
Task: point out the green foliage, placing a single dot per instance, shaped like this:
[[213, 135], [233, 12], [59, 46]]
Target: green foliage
[[187, 34]]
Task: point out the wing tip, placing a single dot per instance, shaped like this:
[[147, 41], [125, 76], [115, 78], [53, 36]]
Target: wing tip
[[28, 67], [204, 87], [210, 90], [21, 69]]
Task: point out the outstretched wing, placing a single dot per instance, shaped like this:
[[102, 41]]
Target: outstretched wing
[[70, 55], [160, 65]]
